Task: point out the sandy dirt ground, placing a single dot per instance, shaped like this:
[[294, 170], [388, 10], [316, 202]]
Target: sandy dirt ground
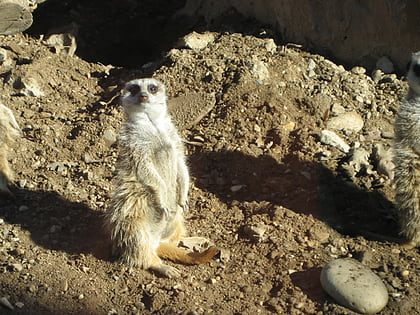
[[276, 200]]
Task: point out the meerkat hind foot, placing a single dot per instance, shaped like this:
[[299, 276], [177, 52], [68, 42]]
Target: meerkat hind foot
[[166, 270]]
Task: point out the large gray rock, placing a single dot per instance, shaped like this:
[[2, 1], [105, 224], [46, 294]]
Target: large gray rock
[[353, 285]]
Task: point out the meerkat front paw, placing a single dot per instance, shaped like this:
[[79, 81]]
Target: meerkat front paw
[[166, 271], [185, 207]]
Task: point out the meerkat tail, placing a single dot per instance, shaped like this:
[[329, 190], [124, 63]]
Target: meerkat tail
[[173, 252]]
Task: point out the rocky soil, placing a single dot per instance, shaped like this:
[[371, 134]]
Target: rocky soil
[[290, 162]]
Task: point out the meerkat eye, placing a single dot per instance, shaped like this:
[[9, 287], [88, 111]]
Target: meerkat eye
[[133, 89], [416, 69], [152, 88]]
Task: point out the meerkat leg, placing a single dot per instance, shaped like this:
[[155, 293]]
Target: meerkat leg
[[183, 183], [5, 171], [408, 190]]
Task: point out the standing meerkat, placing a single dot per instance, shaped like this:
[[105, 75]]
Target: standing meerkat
[[9, 129], [407, 157], [145, 214]]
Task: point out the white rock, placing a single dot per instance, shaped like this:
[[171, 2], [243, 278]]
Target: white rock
[[358, 70], [28, 86], [348, 121], [259, 70], [255, 232], [270, 45], [196, 40], [337, 109], [5, 302], [330, 138], [236, 188], [385, 65], [384, 160], [63, 43], [3, 55], [354, 285], [19, 304], [109, 137], [359, 159]]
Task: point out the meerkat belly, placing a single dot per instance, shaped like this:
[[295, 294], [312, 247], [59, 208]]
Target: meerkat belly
[[166, 165]]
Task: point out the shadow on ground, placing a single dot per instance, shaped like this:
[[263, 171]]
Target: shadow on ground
[[302, 186], [57, 223]]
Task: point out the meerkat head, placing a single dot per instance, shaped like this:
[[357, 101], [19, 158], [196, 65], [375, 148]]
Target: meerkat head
[[413, 75], [144, 95]]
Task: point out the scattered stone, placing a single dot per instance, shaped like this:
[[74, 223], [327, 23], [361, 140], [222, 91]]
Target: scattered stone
[[196, 40], [4, 301], [17, 267], [19, 305], [255, 232], [358, 70], [348, 122], [337, 109], [405, 273], [311, 68], [377, 75], [236, 188], [354, 285], [225, 255], [65, 285], [3, 56], [23, 208], [384, 160], [330, 138], [62, 43], [109, 137], [27, 87], [385, 65], [270, 45], [32, 288], [259, 70], [359, 159]]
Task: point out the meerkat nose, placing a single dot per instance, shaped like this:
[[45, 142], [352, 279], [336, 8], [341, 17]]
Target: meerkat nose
[[143, 97]]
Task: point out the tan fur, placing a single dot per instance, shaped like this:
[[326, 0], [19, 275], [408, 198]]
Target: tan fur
[[407, 157], [9, 129], [145, 214]]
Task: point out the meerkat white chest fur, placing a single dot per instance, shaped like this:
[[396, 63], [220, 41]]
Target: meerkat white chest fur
[[407, 157], [152, 139]]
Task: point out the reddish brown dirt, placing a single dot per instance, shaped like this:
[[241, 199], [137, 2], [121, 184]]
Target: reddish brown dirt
[[255, 160]]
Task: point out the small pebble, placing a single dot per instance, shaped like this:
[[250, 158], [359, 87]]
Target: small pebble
[[4, 301], [19, 305], [17, 267]]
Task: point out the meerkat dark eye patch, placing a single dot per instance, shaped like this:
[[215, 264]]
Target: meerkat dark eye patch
[[416, 69], [133, 89], [152, 88]]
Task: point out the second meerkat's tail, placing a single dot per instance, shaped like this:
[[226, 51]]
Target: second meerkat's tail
[[173, 252]]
